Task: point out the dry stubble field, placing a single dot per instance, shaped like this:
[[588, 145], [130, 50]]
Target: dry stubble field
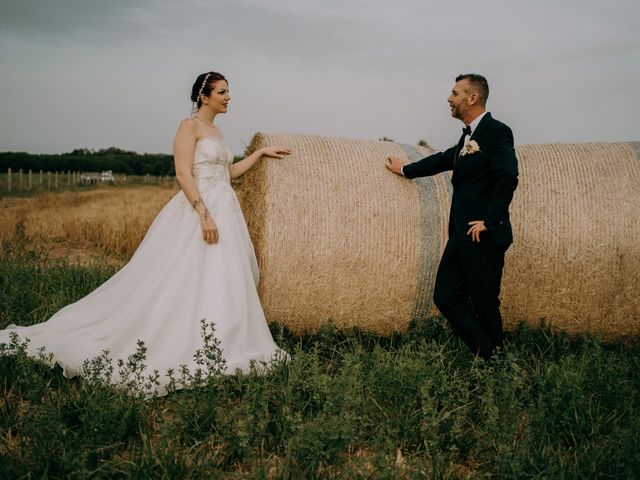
[[104, 225]]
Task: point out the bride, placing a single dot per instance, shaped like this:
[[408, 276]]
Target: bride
[[196, 262]]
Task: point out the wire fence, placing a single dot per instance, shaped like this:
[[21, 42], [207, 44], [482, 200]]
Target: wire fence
[[20, 182]]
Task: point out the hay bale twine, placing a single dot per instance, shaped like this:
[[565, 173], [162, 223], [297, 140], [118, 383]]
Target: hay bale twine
[[338, 238]]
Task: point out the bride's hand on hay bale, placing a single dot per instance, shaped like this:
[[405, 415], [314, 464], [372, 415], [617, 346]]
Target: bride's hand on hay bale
[[275, 152], [238, 169], [477, 227], [395, 164]]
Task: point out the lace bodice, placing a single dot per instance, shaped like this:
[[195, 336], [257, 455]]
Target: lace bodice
[[211, 160]]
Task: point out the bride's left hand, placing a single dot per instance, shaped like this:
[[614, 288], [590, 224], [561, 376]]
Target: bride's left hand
[[275, 152]]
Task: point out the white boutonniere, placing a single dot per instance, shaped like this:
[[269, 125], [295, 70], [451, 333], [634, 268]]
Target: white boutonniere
[[471, 147]]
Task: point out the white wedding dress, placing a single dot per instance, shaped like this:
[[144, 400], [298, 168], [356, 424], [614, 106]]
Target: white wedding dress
[[173, 280]]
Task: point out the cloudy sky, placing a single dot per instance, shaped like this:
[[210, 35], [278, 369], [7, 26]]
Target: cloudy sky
[[94, 74]]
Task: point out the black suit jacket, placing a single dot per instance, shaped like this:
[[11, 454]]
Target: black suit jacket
[[483, 182]]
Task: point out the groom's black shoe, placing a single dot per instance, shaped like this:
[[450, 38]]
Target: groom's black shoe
[[486, 355]]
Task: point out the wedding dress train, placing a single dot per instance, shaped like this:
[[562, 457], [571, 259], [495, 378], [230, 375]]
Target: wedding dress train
[[173, 280]]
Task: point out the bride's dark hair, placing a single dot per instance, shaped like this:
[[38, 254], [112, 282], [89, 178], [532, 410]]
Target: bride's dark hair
[[203, 86]]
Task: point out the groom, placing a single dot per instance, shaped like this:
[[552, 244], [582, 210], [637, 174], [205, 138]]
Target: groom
[[485, 175]]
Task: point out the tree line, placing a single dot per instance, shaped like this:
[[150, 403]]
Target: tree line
[[86, 160]]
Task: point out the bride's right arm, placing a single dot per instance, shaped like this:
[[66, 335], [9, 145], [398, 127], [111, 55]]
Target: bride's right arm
[[184, 145]]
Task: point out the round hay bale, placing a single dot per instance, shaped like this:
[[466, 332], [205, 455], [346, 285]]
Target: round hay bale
[[340, 239], [575, 261]]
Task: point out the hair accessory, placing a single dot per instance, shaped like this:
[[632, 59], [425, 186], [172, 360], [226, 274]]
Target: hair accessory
[[204, 82]]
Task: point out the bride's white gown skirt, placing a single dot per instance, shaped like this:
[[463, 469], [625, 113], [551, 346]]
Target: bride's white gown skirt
[[172, 281]]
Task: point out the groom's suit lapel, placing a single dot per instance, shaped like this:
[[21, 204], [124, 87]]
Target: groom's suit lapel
[[483, 123], [458, 150]]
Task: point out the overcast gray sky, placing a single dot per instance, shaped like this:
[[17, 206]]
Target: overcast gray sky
[[94, 74]]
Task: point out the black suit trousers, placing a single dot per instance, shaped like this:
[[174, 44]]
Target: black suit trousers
[[467, 293]]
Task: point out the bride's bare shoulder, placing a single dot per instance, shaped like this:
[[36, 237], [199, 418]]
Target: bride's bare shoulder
[[188, 122], [188, 125]]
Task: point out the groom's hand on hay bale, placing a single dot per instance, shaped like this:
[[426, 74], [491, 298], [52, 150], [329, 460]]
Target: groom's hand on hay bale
[[395, 164]]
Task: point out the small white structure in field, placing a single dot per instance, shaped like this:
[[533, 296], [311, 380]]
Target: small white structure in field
[[107, 176], [95, 177]]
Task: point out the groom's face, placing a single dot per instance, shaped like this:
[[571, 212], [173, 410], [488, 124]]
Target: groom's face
[[459, 99]]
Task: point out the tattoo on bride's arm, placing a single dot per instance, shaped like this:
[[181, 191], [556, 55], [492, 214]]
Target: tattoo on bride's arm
[[196, 202]]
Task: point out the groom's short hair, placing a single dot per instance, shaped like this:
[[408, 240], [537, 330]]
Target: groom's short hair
[[478, 83]]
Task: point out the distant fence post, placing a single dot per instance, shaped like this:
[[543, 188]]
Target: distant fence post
[[55, 180], [40, 178], [20, 180], [30, 184], [9, 180], [48, 180]]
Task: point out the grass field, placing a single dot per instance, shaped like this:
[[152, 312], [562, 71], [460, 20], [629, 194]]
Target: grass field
[[104, 223], [347, 405]]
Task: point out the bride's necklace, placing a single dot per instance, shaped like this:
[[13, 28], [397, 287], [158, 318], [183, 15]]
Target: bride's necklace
[[205, 122]]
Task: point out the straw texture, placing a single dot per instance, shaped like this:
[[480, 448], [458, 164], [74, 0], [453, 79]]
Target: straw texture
[[339, 238], [575, 260]]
